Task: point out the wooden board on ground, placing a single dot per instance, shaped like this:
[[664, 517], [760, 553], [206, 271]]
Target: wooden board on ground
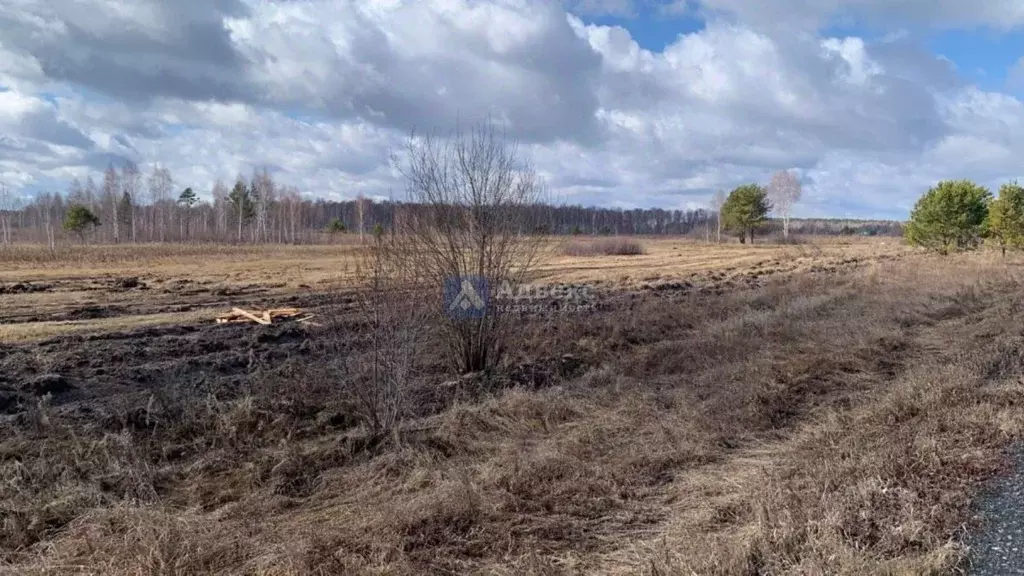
[[264, 317]]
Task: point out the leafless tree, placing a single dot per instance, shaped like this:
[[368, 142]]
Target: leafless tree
[[221, 207], [160, 185], [131, 179], [362, 204], [8, 205], [784, 191], [112, 200], [293, 211], [76, 194], [471, 192], [48, 216], [717, 201], [263, 190], [90, 195], [296, 217], [376, 378]]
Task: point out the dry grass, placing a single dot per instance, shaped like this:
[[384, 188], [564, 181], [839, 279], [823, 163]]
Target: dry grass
[[79, 290], [618, 246], [831, 418], [76, 290], [677, 260], [34, 331], [239, 263]]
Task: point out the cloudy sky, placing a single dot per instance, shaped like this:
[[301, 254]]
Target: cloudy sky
[[629, 103]]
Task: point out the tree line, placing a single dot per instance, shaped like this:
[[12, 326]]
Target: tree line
[[128, 206]]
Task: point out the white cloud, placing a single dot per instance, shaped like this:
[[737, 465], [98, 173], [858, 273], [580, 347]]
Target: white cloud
[[321, 91], [999, 14]]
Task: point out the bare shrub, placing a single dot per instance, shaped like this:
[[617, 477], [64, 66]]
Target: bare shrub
[[470, 217], [376, 377], [604, 247]]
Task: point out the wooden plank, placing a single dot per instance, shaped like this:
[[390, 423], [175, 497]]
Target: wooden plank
[[250, 316], [307, 322], [263, 317]]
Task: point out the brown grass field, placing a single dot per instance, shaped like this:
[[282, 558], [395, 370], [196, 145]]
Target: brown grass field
[[826, 407], [78, 290]]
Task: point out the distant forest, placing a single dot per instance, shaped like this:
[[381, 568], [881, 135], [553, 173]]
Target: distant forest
[[257, 210]]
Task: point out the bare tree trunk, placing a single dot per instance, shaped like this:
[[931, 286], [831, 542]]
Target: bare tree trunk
[[361, 215]]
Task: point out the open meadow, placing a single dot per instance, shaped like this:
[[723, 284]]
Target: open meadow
[[831, 406], [89, 289]]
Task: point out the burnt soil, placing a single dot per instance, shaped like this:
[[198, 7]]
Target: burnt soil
[[104, 369]]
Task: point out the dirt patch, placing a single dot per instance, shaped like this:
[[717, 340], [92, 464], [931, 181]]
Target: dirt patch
[[130, 283], [43, 384], [90, 312], [25, 288]]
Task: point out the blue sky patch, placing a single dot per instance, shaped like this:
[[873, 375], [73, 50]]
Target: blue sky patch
[[651, 29]]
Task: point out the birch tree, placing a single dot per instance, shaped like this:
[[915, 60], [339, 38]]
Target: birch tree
[[784, 191], [717, 201], [48, 209], [221, 208], [76, 194], [130, 184], [8, 205], [263, 196], [160, 185], [362, 205], [112, 199], [293, 209], [89, 194]]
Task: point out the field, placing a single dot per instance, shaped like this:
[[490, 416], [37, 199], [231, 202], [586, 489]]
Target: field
[[90, 289], [819, 407]]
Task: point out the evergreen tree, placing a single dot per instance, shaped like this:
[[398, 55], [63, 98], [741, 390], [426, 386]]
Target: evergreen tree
[[187, 198], [80, 220], [1006, 217], [950, 216], [745, 210], [126, 211], [242, 204]]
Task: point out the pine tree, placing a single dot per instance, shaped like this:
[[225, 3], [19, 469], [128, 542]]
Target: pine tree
[[241, 203], [187, 198], [950, 216], [80, 220], [1006, 217], [745, 210]]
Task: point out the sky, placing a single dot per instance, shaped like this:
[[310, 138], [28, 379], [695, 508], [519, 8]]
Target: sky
[[617, 103]]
